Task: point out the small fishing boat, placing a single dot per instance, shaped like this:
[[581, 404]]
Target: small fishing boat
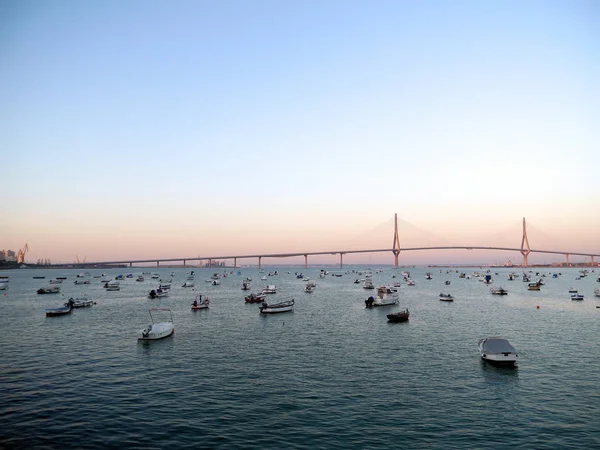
[[82, 282], [446, 297], [200, 302], [246, 285], [498, 351], [81, 302], [400, 316], [270, 289], [577, 297], [158, 293], [119, 277], [158, 330], [309, 288], [447, 282], [373, 302], [428, 276], [140, 278], [410, 282], [3, 286], [573, 291], [49, 290], [61, 311], [533, 287], [597, 292], [255, 298], [499, 291], [188, 283], [55, 281], [216, 282], [112, 286], [275, 308], [368, 284], [39, 278], [164, 286]]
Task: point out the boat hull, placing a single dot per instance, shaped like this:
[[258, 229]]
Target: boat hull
[[157, 331]]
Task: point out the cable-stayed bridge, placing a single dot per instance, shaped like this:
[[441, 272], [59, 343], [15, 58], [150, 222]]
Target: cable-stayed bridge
[[396, 249]]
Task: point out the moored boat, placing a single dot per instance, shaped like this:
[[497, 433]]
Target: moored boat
[[275, 308], [200, 302], [499, 291], [61, 311], [156, 293], [270, 289], [255, 298], [82, 282], [533, 287], [112, 286], [49, 290], [446, 297], [577, 297], [188, 283], [400, 316], [81, 302], [498, 351], [597, 292], [158, 330]]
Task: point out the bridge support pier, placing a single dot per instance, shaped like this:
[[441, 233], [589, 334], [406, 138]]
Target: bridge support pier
[[525, 249], [341, 260], [131, 264], [235, 263], [396, 245], [306, 261], [157, 264], [567, 255], [592, 260], [184, 263], [259, 262]]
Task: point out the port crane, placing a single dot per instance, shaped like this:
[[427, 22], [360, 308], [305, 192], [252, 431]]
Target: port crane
[[81, 262], [21, 254]]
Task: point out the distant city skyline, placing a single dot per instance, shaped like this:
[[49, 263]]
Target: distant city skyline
[[146, 129]]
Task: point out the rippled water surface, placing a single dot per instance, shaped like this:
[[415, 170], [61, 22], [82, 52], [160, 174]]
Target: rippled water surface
[[332, 374]]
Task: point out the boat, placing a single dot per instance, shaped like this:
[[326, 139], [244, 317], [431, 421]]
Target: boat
[[274, 308], [158, 293], [55, 281], [164, 286], [3, 286], [270, 289], [373, 302], [140, 278], [499, 291], [411, 282], [80, 275], [368, 284], [61, 278], [446, 297], [82, 282], [357, 281], [61, 311], [200, 302], [400, 316], [49, 290], [119, 277], [498, 351], [447, 282], [188, 283], [112, 286], [81, 302], [533, 287], [428, 276], [255, 298], [157, 330], [215, 276], [309, 288], [246, 285], [597, 292], [573, 291], [39, 278], [216, 282], [488, 279], [577, 297]]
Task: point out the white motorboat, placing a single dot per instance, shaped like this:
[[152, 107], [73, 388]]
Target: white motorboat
[[597, 292], [270, 289], [446, 297], [386, 300], [82, 282], [310, 288], [81, 302], [158, 330], [498, 351], [158, 293], [410, 282], [576, 296], [216, 282], [368, 284], [573, 291], [188, 283], [140, 278], [287, 306]]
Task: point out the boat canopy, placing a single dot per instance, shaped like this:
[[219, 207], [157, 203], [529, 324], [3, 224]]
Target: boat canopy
[[498, 345]]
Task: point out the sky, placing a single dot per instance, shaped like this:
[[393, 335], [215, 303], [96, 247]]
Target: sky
[[162, 129]]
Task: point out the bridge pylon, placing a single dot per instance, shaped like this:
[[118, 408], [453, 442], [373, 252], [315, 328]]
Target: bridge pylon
[[525, 249], [396, 245]]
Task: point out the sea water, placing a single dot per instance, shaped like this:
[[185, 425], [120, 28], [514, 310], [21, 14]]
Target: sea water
[[332, 374]]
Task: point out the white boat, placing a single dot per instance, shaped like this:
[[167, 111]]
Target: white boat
[[597, 292], [216, 282], [140, 278], [164, 286], [446, 297], [3, 286], [265, 308], [158, 330], [246, 285], [82, 282], [498, 351], [215, 276], [81, 302], [410, 282], [573, 291], [49, 290], [577, 297], [188, 283], [368, 284], [270, 289], [310, 288]]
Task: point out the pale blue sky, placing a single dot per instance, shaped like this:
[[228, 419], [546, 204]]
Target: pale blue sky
[[195, 121]]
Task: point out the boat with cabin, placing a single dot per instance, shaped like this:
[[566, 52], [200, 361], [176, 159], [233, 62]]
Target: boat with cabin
[[255, 298], [577, 297], [499, 291], [49, 290], [81, 302], [200, 302], [446, 297], [270, 289]]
